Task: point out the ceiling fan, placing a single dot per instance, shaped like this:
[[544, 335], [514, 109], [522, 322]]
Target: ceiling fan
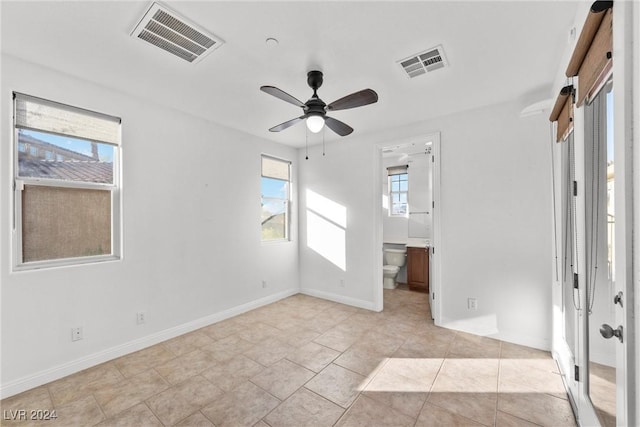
[[315, 110]]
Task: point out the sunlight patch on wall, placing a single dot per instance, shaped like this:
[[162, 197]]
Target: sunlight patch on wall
[[326, 229], [327, 208], [478, 325]]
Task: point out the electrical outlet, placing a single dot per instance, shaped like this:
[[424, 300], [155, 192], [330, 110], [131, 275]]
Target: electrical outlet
[[342, 283], [76, 334], [141, 317], [472, 304], [264, 283]]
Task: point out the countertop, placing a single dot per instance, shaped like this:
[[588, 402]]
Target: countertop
[[409, 242]]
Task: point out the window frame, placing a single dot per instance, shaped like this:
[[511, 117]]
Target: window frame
[[19, 182], [391, 193], [288, 201]]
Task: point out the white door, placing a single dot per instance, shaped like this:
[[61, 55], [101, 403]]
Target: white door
[[594, 300], [567, 266], [603, 331]]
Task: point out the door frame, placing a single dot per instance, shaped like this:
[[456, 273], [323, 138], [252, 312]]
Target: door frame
[[435, 258], [626, 66]]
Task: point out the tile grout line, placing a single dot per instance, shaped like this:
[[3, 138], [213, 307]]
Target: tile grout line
[[495, 414]]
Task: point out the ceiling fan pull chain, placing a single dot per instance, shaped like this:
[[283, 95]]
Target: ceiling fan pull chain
[[306, 134], [323, 131]]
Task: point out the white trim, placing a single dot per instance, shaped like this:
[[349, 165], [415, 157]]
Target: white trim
[[367, 305], [435, 267], [377, 254], [43, 377], [289, 200], [625, 147], [633, 68]]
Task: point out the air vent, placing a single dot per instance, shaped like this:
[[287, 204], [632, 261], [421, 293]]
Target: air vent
[[167, 30], [424, 62]]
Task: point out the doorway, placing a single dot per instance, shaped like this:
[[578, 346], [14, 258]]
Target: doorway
[[407, 212], [593, 356]]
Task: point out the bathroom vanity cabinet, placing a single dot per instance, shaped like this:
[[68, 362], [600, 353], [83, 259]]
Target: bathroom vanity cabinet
[[418, 269]]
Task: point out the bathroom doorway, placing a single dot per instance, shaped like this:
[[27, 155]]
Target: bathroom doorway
[[407, 216]]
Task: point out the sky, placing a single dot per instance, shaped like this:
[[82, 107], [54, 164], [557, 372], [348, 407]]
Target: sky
[[274, 188]]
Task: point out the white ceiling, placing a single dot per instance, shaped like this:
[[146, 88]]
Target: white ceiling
[[497, 51]]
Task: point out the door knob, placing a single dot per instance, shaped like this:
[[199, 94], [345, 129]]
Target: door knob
[[607, 332]]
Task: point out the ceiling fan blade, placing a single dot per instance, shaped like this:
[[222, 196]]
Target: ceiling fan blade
[[357, 99], [337, 126], [278, 93], [287, 124]]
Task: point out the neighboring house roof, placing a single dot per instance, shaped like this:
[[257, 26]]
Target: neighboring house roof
[[69, 170]]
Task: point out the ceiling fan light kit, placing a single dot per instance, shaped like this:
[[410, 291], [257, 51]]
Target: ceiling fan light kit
[[315, 110], [315, 123]]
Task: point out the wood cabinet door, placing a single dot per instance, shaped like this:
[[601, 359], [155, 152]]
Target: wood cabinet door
[[418, 268]]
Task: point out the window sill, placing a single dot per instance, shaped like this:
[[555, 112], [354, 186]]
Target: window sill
[[274, 242], [64, 262]]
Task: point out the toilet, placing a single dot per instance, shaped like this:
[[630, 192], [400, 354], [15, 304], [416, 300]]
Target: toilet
[[393, 260]]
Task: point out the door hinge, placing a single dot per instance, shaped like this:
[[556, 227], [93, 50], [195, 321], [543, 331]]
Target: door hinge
[[433, 250], [433, 296], [575, 281], [576, 372], [433, 205], [575, 188], [433, 159]]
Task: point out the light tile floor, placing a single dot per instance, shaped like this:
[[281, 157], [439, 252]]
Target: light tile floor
[[602, 385], [304, 361]]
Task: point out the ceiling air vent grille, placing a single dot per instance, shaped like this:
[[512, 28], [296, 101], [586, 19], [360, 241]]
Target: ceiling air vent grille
[[421, 63], [167, 30]]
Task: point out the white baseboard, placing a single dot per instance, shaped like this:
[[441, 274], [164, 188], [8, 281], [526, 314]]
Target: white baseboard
[[368, 305], [43, 377]]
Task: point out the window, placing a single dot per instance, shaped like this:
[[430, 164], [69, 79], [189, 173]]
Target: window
[[398, 190], [276, 195], [67, 198]]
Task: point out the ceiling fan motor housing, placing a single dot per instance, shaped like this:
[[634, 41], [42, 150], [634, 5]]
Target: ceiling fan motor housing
[[315, 106]]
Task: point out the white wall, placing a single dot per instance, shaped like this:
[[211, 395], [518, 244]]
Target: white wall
[[495, 219], [346, 177], [495, 204], [191, 202]]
